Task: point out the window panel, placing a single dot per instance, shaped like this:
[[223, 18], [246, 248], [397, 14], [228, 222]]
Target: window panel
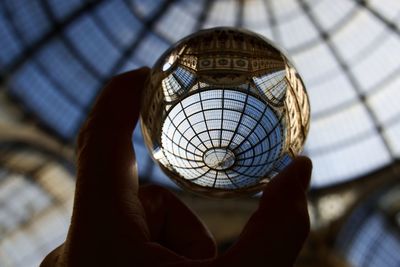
[[10, 45], [354, 159], [62, 66], [340, 127], [255, 14], [284, 9], [116, 15], [377, 65], [385, 101], [62, 9], [150, 49], [330, 13], [39, 96], [297, 31], [388, 8], [176, 23], [364, 251], [145, 8], [185, 77], [386, 254], [369, 233], [93, 45], [358, 33], [227, 8], [30, 18], [315, 63], [192, 7], [330, 93]]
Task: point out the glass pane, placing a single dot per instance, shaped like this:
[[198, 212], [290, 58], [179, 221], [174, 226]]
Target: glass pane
[[351, 161]]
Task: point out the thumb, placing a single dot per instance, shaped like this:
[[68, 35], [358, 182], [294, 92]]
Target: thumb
[[275, 233]]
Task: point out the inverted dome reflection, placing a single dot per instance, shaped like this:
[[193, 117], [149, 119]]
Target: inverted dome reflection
[[224, 112]]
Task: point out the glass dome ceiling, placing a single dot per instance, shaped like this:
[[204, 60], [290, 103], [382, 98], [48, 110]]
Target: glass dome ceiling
[[56, 55]]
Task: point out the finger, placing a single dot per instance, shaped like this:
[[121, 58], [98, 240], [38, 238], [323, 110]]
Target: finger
[[104, 142], [276, 232], [53, 258], [107, 182], [174, 225]]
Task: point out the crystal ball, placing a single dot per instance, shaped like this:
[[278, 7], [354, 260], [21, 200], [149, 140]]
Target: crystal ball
[[224, 112]]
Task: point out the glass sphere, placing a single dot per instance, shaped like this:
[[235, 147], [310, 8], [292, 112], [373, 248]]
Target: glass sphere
[[224, 112]]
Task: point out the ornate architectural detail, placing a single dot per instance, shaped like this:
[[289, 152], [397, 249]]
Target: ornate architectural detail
[[224, 112]]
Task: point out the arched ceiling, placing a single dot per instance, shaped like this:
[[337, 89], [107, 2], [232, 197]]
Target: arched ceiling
[[56, 55]]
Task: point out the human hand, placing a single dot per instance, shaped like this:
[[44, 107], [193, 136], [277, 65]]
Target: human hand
[[116, 223]]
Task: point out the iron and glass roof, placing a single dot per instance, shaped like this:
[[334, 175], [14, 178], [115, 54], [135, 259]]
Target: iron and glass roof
[[57, 55]]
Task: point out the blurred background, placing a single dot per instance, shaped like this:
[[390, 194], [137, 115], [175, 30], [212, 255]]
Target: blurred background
[[56, 55]]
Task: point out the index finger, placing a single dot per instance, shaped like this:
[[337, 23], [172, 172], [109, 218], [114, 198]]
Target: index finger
[[106, 135], [107, 178]]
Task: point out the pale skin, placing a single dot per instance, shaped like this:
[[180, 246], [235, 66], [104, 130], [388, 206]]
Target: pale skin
[[115, 222]]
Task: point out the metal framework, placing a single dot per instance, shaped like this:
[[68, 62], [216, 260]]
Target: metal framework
[[148, 42]]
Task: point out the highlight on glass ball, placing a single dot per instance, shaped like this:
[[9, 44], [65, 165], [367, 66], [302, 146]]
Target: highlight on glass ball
[[224, 112]]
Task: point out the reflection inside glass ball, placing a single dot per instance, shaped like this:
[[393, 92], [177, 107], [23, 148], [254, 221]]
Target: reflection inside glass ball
[[224, 112]]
